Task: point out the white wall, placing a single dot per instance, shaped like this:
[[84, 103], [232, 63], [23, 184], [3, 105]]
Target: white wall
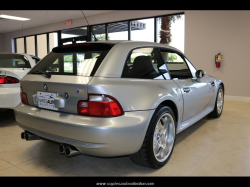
[[210, 32], [206, 34]]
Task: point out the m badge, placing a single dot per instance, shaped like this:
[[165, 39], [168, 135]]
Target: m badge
[[80, 91]]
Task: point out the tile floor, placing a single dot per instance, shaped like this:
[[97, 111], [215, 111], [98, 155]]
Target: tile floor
[[211, 147]]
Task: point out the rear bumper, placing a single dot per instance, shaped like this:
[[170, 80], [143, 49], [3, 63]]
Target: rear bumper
[[97, 136], [9, 97]]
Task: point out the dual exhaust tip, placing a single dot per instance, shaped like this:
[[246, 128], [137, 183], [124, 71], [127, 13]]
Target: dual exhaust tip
[[28, 136], [66, 149]]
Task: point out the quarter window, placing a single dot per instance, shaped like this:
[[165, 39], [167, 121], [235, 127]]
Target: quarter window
[[145, 63]]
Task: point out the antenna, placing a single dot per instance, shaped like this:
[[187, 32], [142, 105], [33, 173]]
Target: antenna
[[23, 38], [91, 27]]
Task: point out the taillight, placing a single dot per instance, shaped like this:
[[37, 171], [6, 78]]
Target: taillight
[[100, 105], [24, 98], [8, 80]]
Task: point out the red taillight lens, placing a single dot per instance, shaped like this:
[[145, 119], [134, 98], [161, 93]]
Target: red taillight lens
[[8, 80], [24, 98], [100, 105], [2, 80]]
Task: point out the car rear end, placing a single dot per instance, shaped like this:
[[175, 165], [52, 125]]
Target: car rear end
[[57, 105], [12, 68]]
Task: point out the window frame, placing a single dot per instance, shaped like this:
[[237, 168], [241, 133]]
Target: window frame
[[190, 63], [181, 55]]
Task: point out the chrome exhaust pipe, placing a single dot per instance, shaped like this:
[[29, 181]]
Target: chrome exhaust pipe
[[61, 148], [23, 135], [70, 151], [29, 137]]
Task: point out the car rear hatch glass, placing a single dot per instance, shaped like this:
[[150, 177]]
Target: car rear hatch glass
[[66, 71], [77, 59], [14, 61], [12, 67]]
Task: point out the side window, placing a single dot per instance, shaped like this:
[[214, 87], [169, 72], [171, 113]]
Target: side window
[[176, 65], [68, 63], [191, 67], [145, 63]]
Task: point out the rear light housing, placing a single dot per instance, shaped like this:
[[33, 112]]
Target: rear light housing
[[8, 80], [24, 98], [100, 105]]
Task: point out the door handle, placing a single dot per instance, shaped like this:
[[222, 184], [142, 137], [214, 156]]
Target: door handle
[[186, 90], [212, 83]]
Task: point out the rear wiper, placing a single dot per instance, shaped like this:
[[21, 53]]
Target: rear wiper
[[43, 72]]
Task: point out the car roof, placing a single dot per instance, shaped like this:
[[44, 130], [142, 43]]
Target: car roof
[[135, 43]]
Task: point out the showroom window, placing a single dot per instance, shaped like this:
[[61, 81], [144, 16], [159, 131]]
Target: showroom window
[[20, 45], [30, 45], [41, 45], [171, 30], [142, 30], [167, 29], [99, 32], [53, 40], [75, 32], [118, 31]]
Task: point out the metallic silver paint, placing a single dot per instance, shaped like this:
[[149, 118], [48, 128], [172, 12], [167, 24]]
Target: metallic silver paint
[[139, 98], [90, 135], [59, 84]]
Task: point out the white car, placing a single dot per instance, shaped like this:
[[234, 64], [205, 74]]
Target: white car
[[13, 67]]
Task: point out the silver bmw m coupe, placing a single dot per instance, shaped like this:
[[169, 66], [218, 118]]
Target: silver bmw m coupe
[[115, 98]]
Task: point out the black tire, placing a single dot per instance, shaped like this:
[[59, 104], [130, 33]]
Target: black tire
[[145, 156], [215, 113]]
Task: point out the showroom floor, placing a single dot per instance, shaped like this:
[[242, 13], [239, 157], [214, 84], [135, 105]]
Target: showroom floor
[[211, 147]]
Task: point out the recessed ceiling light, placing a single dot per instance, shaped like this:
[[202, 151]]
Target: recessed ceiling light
[[14, 17]]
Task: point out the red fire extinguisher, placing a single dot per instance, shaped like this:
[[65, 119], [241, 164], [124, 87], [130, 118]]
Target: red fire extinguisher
[[218, 60]]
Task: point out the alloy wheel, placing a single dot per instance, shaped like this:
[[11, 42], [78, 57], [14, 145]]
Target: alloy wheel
[[164, 136]]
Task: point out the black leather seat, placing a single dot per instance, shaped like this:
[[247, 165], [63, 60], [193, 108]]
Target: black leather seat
[[142, 66]]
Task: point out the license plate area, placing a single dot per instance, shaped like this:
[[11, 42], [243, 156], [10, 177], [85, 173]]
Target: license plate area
[[46, 100]]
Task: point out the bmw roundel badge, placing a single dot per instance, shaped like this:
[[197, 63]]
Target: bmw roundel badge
[[45, 87]]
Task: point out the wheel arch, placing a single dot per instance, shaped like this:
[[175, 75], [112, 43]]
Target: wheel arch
[[222, 84], [173, 106]]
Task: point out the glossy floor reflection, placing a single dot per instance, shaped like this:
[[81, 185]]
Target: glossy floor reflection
[[211, 147]]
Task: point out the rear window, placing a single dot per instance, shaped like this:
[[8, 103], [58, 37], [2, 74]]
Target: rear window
[[14, 61], [78, 59]]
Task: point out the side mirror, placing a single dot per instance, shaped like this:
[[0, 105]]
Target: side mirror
[[200, 73]]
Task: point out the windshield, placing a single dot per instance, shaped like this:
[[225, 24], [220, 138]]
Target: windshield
[[14, 61], [73, 60]]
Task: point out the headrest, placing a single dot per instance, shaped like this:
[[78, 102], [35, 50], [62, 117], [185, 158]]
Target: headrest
[[142, 65]]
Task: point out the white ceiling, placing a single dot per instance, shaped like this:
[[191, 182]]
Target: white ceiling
[[41, 17]]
